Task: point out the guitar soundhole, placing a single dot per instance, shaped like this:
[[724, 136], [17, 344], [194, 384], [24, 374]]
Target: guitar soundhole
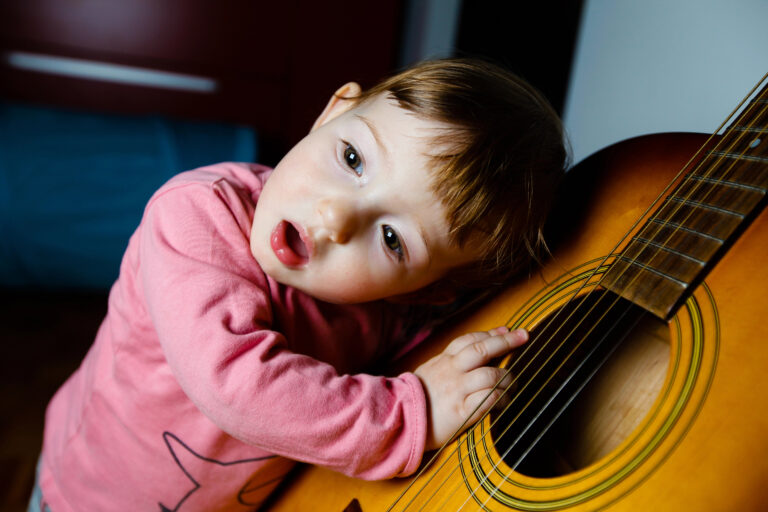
[[606, 369]]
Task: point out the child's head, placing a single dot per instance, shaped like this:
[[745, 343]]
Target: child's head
[[431, 184], [495, 169]]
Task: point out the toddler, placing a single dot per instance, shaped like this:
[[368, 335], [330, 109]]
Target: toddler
[[250, 300]]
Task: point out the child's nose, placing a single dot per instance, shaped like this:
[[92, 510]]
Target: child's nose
[[339, 218]]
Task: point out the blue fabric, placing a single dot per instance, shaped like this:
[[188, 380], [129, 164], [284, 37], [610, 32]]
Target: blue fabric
[[36, 500], [73, 186]]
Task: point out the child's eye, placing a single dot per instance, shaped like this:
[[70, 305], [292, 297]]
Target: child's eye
[[392, 241], [352, 159]]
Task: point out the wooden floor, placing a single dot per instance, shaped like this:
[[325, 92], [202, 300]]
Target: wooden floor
[[44, 337]]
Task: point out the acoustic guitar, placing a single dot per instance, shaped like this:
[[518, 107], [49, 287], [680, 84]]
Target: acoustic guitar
[[644, 386]]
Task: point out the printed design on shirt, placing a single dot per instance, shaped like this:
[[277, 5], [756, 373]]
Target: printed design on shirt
[[210, 476]]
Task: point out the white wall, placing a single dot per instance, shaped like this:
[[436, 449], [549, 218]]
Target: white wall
[[646, 66]]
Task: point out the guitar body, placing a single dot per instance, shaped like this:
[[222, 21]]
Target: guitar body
[[700, 438]]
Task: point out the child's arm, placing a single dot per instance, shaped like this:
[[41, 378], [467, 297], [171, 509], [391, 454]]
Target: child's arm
[[457, 382]]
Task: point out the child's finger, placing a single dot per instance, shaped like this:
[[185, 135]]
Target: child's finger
[[481, 398], [483, 378], [481, 352], [507, 379], [458, 344]]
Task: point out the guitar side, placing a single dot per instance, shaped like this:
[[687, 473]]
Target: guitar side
[[707, 451]]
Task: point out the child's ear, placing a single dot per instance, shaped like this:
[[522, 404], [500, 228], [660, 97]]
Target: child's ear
[[341, 101]]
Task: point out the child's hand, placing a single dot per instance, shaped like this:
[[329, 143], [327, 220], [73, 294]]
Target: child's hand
[[457, 380]]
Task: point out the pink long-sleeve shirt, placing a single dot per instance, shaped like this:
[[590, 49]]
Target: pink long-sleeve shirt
[[207, 377]]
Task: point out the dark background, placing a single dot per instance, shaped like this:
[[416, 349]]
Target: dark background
[[533, 39], [277, 63]]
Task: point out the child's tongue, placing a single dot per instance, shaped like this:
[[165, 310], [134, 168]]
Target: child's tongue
[[294, 241]]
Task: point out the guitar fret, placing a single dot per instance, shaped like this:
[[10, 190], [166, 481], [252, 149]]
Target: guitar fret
[[705, 206], [647, 268], [753, 158], [670, 250], [676, 225], [728, 183], [751, 129]]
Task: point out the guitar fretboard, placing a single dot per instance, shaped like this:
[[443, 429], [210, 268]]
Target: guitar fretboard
[[703, 215]]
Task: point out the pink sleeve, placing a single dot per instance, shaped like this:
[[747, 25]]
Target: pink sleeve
[[205, 295]]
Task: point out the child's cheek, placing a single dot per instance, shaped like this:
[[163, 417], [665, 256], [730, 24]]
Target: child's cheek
[[353, 282]]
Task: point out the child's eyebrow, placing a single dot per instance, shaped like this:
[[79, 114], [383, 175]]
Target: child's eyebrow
[[376, 134]]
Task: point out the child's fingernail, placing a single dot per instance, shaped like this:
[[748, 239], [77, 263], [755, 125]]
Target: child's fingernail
[[517, 334]]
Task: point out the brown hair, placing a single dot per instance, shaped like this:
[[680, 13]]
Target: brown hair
[[506, 155]]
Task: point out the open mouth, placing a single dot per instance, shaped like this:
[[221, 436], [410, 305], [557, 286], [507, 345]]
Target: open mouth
[[288, 245]]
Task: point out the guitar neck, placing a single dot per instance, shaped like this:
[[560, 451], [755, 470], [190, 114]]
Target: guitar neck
[[702, 216]]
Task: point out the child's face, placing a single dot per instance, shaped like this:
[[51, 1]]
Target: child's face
[[348, 214]]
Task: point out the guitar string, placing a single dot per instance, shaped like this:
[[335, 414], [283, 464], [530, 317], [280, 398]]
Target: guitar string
[[655, 202], [545, 406], [526, 347], [508, 372], [686, 165], [549, 424], [518, 375], [712, 167]]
